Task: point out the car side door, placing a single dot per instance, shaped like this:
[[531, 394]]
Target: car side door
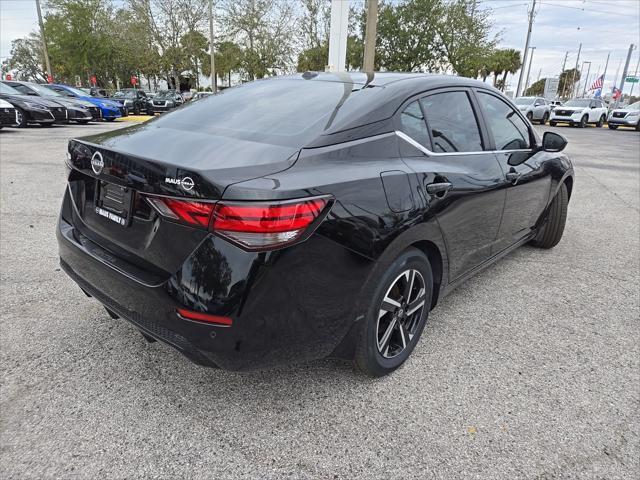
[[538, 108], [442, 141], [526, 180]]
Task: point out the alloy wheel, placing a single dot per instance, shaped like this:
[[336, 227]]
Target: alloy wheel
[[400, 313]]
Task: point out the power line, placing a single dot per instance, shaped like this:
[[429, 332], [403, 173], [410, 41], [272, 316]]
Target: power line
[[586, 9]]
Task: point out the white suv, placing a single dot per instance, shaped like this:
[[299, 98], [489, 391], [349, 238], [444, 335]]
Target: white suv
[[534, 108], [580, 111]]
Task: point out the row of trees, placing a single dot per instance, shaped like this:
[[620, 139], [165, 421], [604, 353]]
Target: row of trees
[[255, 38]]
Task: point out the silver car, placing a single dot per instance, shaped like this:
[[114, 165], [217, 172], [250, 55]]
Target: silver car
[[535, 108], [625, 117]]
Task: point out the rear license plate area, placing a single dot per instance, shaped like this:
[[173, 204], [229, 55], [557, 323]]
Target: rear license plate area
[[113, 202]]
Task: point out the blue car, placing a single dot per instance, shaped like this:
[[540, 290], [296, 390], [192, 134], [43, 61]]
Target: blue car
[[110, 109]]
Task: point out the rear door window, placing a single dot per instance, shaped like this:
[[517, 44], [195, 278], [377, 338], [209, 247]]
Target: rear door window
[[452, 122], [412, 122], [509, 131]]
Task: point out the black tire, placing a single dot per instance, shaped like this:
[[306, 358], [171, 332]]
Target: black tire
[[22, 118], [601, 121], [613, 127], [136, 109], [405, 328], [552, 228], [638, 127], [544, 118], [530, 116], [553, 124], [583, 121]]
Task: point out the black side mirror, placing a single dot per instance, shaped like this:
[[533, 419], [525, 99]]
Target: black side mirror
[[553, 142]]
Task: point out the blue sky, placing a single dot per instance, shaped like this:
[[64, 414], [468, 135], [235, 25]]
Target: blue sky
[[602, 26]]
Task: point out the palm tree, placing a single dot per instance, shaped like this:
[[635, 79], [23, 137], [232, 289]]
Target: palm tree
[[511, 63]]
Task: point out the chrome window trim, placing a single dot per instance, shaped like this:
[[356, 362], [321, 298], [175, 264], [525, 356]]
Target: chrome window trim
[[428, 152]]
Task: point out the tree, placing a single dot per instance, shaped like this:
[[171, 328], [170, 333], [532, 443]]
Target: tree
[[464, 32], [195, 48], [26, 58], [264, 31], [511, 62], [536, 88], [228, 56], [165, 23], [567, 83], [313, 59], [407, 37]]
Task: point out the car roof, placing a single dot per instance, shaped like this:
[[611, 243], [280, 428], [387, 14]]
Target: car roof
[[385, 92]]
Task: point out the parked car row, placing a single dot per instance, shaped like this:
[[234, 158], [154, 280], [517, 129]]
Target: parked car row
[[578, 112], [46, 104]]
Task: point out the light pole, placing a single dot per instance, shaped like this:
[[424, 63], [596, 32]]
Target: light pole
[[44, 44], [214, 86]]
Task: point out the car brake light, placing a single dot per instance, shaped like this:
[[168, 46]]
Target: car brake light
[[204, 317], [266, 225], [197, 214], [250, 225]]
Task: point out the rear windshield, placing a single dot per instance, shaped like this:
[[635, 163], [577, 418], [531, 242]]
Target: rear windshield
[[524, 100], [578, 103], [287, 112]]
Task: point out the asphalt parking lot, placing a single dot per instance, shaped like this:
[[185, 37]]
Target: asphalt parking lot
[[530, 370]]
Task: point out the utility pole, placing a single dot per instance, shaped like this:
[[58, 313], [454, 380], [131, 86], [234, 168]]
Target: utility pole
[[635, 75], [370, 36], [214, 86], [604, 74], [584, 92], [575, 71], [539, 74], [532, 14], [564, 64], [528, 71], [625, 71], [44, 43]]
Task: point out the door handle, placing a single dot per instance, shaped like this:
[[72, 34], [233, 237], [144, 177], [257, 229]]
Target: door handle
[[439, 189], [513, 177]]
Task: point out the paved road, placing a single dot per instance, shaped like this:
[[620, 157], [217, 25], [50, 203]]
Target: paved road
[[529, 370]]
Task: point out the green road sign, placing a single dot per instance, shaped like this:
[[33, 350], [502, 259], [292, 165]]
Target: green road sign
[[632, 79]]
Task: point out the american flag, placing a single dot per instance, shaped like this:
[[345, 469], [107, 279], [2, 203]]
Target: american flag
[[598, 83]]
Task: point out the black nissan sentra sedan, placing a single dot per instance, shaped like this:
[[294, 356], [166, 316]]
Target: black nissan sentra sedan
[[307, 216]]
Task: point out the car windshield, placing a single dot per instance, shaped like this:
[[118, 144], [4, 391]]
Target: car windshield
[[164, 94], [125, 94], [44, 91], [634, 106], [524, 100], [7, 90], [76, 91], [283, 111], [578, 102]]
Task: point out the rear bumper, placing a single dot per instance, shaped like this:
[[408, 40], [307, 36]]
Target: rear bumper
[[297, 304]]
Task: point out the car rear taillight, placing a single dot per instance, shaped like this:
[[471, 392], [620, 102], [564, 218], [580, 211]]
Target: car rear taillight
[[252, 226], [197, 214]]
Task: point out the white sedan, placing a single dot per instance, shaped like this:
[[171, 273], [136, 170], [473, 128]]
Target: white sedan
[[580, 112]]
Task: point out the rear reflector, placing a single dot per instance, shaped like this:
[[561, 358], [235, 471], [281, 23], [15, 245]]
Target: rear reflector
[[250, 225], [204, 317]]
